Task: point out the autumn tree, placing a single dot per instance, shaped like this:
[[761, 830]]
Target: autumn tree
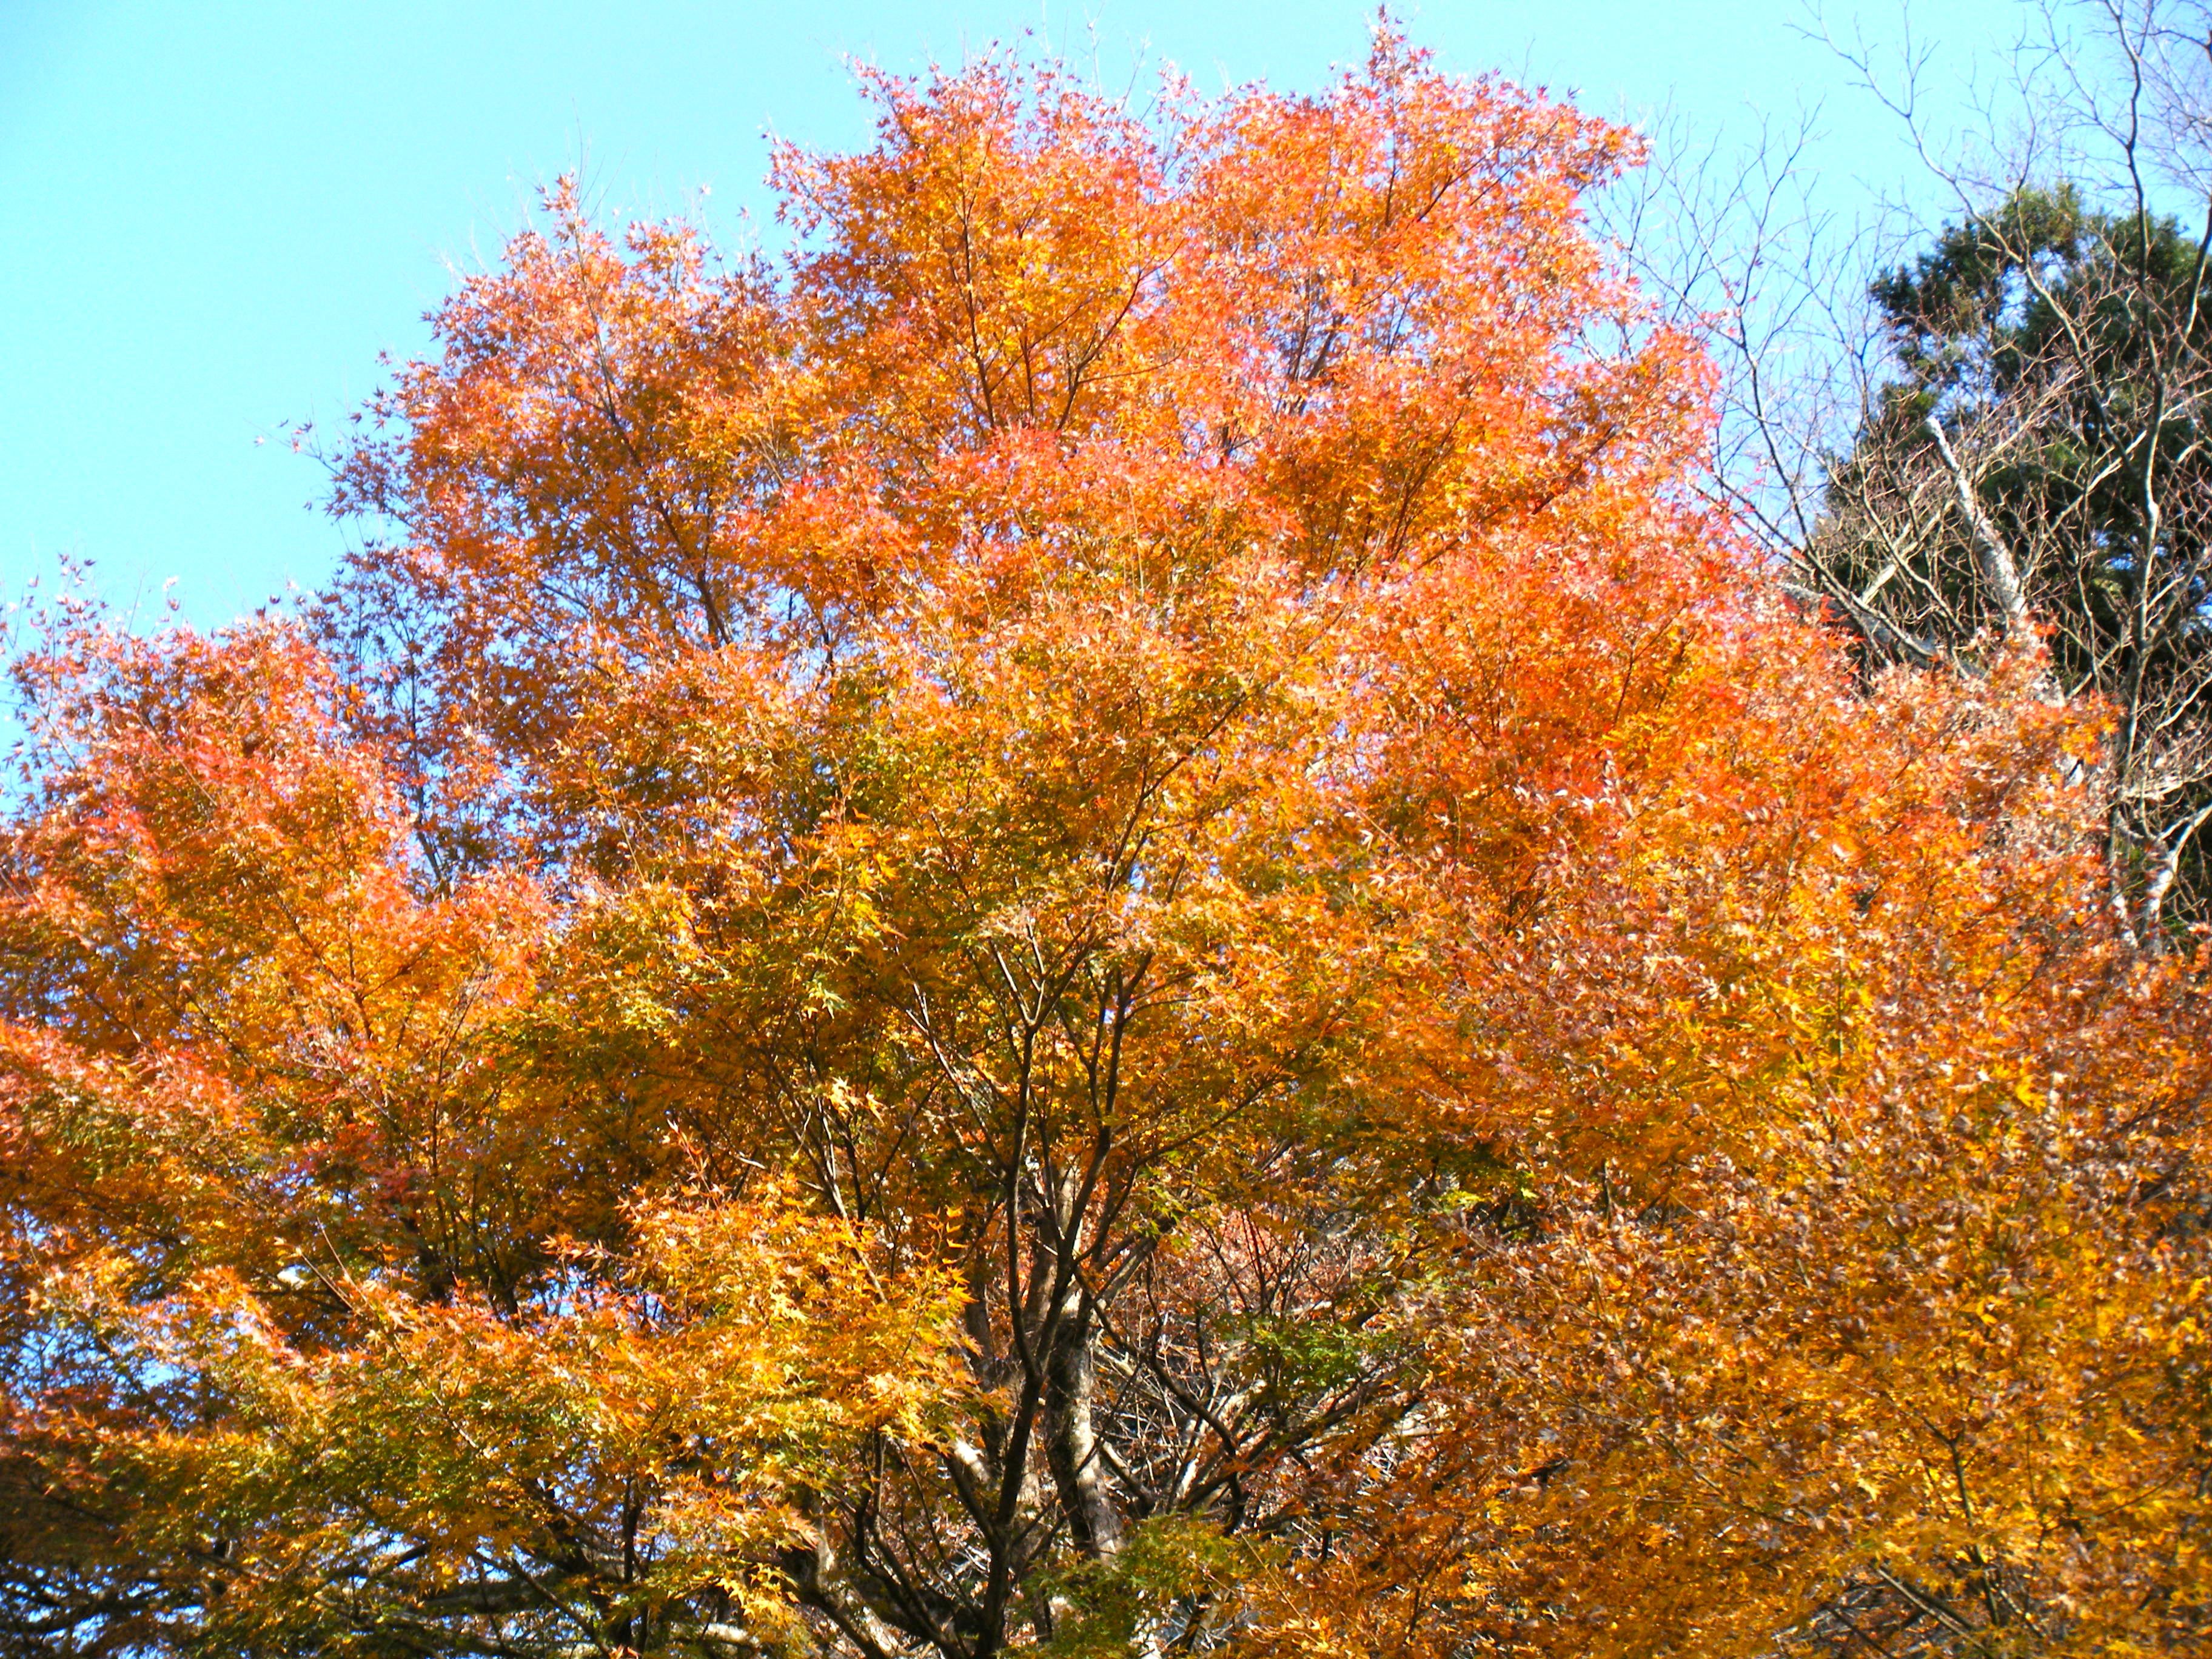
[[1099, 920]]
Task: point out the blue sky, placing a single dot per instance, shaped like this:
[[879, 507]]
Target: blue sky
[[216, 213]]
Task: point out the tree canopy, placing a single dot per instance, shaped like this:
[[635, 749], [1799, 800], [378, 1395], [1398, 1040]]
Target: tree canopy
[[1097, 920]]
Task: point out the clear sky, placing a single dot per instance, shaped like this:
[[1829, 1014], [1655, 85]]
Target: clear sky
[[214, 214]]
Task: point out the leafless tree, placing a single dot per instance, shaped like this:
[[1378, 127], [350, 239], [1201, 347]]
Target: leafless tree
[[1958, 438]]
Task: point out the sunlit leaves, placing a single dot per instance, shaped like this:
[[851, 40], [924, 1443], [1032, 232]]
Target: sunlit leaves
[[1098, 918]]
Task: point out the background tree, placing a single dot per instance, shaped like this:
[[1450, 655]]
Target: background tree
[[2005, 441], [2041, 457]]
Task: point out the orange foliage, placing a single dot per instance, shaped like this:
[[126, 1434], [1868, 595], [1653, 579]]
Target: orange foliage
[[1097, 922]]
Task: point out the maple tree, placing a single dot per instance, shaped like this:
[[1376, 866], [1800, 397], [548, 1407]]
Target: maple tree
[[1095, 922]]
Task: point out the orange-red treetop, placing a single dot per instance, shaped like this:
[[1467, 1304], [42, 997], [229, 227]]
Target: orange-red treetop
[[1098, 916]]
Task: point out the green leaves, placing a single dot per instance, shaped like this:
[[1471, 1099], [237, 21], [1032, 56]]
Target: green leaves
[[1174, 1582]]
